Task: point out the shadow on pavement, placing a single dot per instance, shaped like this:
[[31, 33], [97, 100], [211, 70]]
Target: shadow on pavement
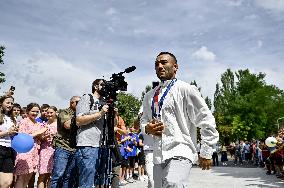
[[251, 176]]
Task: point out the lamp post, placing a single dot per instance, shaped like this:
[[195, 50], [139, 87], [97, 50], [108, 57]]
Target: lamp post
[[278, 121]]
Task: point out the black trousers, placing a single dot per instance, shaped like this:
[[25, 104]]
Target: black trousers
[[215, 159]]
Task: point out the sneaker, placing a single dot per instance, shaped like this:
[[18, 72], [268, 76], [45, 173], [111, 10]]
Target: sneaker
[[145, 177], [141, 178], [130, 180], [122, 183]]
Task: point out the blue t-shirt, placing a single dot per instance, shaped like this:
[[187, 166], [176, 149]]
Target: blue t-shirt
[[41, 120], [124, 145], [131, 144]]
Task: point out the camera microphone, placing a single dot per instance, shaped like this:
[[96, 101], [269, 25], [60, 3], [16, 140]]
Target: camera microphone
[[130, 69]]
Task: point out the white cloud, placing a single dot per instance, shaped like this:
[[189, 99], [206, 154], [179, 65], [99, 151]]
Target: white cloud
[[273, 5], [111, 11], [107, 37], [46, 78], [139, 31], [235, 2], [206, 76], [204, 54], [259, 43]]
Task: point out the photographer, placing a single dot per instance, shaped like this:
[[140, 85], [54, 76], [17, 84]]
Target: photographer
[[90, 121]]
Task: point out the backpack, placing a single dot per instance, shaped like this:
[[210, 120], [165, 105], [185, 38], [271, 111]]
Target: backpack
[[73, 126]]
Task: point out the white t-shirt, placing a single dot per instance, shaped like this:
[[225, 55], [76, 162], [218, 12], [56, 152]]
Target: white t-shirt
[[8, 123]]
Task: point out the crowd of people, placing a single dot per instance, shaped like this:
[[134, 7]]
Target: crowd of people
[[254, 153], [68, 150]]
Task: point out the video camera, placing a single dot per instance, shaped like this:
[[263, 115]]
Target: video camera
[[116, 83]]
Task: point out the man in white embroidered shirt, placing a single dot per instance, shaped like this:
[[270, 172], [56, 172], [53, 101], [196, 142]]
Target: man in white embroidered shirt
[[171, 113]]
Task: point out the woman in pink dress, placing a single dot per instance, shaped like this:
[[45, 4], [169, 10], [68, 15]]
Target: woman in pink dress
[[46, 149], [27, 163]]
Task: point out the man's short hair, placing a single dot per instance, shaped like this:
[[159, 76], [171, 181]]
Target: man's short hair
[[170, 54], [44, 106], [74, 97], [96, 82], [16, 105]]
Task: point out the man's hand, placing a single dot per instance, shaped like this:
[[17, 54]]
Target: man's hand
[[104, 109], [155, 128], [205, 164]]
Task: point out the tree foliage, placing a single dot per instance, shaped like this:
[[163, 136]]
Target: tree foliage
[[128, 107], [247, 107], [2, 75], [207, 99]]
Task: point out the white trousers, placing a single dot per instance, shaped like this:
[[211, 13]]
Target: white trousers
[[174, 173], [149, 165]]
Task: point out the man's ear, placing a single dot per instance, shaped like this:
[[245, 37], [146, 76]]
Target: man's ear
[[175, 67]]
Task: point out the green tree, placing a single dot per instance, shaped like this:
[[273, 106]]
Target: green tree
[[208, 102], [128, 107], [2, 75], [246, 108], [207, 99]]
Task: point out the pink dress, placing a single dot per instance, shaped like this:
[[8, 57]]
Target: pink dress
[[28, 162], [47, 151]]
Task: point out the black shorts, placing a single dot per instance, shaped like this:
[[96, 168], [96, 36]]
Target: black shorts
[[141, 158], [7, 159], [131, 161], [124, 163]]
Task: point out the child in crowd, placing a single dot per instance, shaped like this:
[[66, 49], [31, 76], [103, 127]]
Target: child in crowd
[[46, 150]]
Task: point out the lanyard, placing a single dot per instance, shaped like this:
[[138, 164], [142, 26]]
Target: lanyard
[[157, 105]]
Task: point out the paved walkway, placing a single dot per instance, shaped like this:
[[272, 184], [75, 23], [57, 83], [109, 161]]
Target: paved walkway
[[226, 177]]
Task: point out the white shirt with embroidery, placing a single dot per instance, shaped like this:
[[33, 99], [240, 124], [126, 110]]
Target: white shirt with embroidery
[[182, 112]]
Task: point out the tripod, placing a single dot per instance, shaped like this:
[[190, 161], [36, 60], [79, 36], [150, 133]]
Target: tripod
[[110, 156]]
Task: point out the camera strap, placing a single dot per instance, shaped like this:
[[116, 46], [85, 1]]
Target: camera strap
[[91, 101], [156, 104]]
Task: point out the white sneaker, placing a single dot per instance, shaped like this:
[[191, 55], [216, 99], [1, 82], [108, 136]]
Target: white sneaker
[[122, 183], [145, 177], [130, 180], [141, 178]]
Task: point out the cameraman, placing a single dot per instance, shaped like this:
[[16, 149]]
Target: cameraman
[[90, 121]]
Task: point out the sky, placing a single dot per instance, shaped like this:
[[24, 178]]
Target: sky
[[55, 49]]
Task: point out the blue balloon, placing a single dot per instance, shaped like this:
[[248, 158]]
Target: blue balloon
[[22, 143]]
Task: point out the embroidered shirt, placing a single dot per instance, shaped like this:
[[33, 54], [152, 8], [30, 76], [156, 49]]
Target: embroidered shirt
[[183, 110]]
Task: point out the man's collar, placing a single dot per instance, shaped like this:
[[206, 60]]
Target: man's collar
[[165, 83]]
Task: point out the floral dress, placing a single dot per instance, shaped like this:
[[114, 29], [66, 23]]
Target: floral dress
[[28, 162], [46, 150]]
